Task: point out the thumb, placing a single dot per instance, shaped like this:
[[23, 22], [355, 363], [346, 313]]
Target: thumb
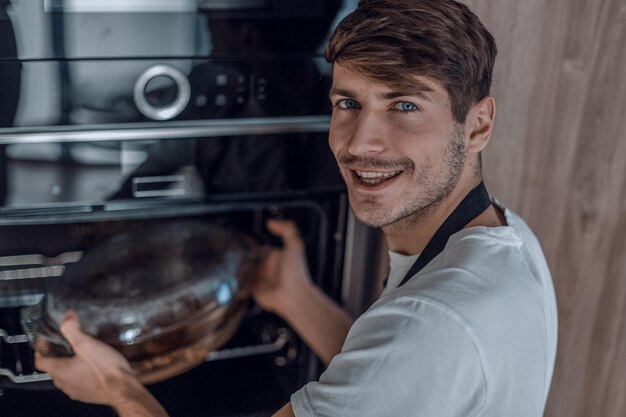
[[286, 230], [70, 329]]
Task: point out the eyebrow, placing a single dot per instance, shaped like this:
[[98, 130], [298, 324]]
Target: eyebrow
[[417, 90], [413, 92], [341, 92]]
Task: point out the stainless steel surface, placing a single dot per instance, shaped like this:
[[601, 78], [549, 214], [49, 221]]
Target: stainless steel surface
[[362, 266], [24, 379], [119, 6], [233, 4], [171, 185], [171, 130], [20, 338], [32, 273], [239, 352], [38, 259]]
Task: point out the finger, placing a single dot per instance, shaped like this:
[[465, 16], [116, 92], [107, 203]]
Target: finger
[[40, 362], [286, 230], [50, 364], [42, 346], [266, 272]]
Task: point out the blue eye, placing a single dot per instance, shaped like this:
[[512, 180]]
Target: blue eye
[[347, 104], [405, 106]]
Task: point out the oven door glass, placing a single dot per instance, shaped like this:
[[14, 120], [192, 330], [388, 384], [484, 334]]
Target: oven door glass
[[86, 175]]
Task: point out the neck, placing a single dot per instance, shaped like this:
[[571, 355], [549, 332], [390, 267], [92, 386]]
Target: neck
[[410, 235]]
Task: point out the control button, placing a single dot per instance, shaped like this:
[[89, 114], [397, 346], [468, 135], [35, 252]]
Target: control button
[[221, 79], [201, 100], [241, 99], [241, 79], [161, 91], [220, 100]]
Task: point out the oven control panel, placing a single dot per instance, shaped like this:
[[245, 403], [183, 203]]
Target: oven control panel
[[136, 91]]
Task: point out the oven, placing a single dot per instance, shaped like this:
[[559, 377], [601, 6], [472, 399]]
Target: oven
[[119, 115]]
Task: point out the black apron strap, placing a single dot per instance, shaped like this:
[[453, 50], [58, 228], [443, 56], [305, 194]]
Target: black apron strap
[[472, 205]]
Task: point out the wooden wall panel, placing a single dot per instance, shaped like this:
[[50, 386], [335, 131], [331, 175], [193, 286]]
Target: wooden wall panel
[[558, 157]]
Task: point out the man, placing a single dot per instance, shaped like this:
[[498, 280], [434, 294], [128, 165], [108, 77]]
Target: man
[[466, 324]]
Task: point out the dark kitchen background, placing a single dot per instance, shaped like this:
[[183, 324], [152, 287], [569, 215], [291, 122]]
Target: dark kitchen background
[[117, 116]]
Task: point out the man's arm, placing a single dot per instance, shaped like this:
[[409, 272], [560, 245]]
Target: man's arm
[[285, 288], [138, 402], [286, 411]]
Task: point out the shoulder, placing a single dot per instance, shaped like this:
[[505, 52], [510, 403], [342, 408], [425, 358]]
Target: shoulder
[[481, 264], [491, 277], [484, 280]]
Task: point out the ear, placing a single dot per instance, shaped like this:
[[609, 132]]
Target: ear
[[479, 124]]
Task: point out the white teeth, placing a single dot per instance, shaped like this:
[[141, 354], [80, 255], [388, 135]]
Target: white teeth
[[373, 178], [381, 175]]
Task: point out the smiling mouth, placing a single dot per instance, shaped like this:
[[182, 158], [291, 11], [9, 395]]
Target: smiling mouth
[[375, 178]]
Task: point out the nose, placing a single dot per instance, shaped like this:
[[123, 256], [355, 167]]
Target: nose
[[367, 135]]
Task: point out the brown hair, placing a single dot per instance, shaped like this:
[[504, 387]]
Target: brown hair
[[391, 41]]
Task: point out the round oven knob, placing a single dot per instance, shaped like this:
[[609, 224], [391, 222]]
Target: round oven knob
[[162, 92]]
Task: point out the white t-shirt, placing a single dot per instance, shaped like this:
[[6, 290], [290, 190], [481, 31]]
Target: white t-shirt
[[472, 334]]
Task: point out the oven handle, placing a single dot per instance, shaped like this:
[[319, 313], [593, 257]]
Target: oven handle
[[167, 130]]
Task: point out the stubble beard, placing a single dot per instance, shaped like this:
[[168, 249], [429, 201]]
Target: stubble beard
[[430, 189]]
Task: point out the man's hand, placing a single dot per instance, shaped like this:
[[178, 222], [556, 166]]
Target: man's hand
[[285, 287], [97, 374], [285, 272]]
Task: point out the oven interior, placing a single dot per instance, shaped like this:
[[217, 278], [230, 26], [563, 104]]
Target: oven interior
[[253, 374]]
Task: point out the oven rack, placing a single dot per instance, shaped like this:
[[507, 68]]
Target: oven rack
[[24, 278], [283, 340]]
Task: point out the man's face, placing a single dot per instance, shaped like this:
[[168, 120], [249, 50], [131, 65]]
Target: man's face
[[400, 152]]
